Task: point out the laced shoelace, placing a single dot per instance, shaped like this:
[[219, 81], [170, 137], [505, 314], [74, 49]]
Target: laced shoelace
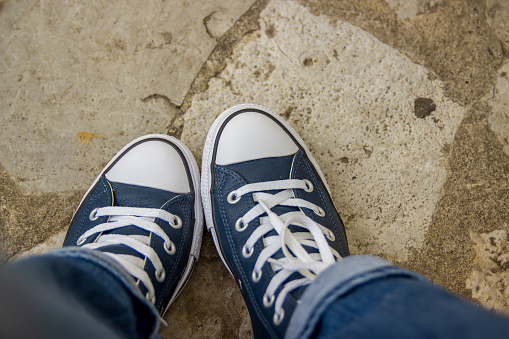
[[142, 218], [295, 257]]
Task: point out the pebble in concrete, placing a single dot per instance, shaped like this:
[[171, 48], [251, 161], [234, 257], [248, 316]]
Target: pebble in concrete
[[351, 98]]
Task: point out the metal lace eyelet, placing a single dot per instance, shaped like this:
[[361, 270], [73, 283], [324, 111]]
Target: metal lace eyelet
[[170, 249], [239, 225], [177, 222], [278, 318], [81, 240], [161, 275], [93, 215], [267, 302], [233, 198], [309, 186], [331, 236], [246, 253], [152, 300], [319, 212], [256, 276]]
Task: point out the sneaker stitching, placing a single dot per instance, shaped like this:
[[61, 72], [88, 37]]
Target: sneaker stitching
[[231, 242], [307, 166], [102, 189], [173, 265]]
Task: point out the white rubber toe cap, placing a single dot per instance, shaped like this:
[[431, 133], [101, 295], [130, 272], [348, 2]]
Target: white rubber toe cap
[[152, 163], [250, 136]]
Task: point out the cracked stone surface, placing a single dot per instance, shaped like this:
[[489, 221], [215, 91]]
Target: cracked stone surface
[[472, 200], [78, 82], [463, 52], [94, 68], [489, 281], [351, 98], [404, 103]]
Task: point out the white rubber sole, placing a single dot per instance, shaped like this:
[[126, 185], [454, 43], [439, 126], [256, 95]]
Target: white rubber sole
[[208, 151], [198, 211]]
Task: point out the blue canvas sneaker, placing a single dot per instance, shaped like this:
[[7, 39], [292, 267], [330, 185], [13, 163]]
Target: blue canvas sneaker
[[269, 211], [144, 211]]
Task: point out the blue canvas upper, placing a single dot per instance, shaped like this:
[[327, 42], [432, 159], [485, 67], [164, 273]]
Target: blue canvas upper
[[230, 177], [106, 193]]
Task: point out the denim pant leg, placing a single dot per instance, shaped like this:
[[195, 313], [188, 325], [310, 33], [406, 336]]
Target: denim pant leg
[[367, 297], [73, 293]]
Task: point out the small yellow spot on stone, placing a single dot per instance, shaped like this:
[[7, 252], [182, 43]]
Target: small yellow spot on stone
[[86, 137]]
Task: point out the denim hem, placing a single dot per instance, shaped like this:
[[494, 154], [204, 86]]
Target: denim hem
[[335, 282], [111, 266]]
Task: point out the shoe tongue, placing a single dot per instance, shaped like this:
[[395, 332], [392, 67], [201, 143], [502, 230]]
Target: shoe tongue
[[127, 195], [264, 170], [270, 169], [267, 169], [298, 292]]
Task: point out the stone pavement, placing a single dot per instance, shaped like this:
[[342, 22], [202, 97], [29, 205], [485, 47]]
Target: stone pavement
[[405, 104]]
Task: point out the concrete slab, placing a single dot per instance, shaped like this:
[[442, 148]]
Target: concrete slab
[[81, 79], [472, 201], [375, 120], [455, 41], [452, 39]]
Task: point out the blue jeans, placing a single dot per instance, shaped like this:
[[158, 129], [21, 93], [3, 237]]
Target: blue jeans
[[367, 297], [78, 293], [73, 293]]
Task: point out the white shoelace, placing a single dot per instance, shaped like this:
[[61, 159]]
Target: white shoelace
[[296, 258], [142, 218]]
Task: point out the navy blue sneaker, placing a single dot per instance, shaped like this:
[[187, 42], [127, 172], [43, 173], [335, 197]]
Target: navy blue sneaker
[[144, 211], [269, 211]]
